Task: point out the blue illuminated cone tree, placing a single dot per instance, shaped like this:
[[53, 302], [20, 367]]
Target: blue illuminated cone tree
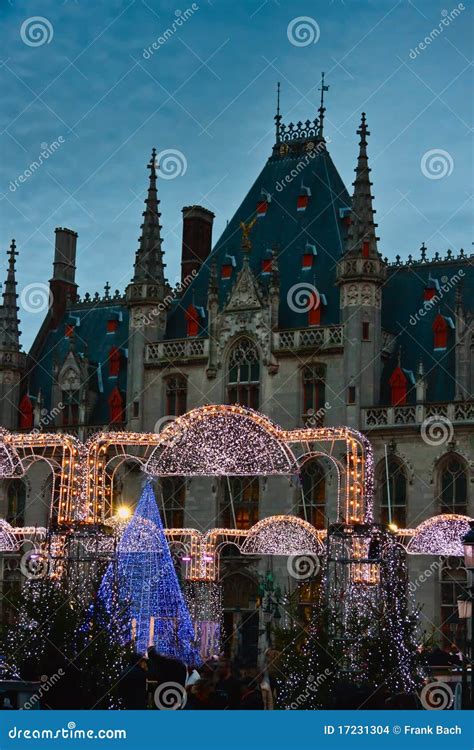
[[147, 580]]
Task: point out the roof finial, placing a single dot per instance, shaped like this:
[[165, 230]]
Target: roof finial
[[322, 108], [12, 252], [278, 115], [363, 132]]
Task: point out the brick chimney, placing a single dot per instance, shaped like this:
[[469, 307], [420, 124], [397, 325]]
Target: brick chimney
[[197, 238], [63, 284]]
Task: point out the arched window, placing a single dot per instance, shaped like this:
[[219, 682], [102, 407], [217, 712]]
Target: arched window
[[453, 583], [16, 498], [314, 390], [243, 383], [26, 413], [176, 393], [394, 493], [314, 494], [173, 492], [240, 497], [452, 486]]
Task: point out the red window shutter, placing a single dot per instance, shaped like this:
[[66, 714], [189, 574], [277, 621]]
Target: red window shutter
[[112, 326], [262, 207], [68, 329], [302, 202], [26, 413], [226, 271], [428, 293], [192, 321], [314, 314], [267, 265], [440, 330], [115, 406], [365, 249], [307, 260], [398, 384], [114, 361], [347, 220]]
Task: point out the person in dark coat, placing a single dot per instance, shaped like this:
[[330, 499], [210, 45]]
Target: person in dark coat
[[133, 684], [251, 699], [228, 687], [165, 668]]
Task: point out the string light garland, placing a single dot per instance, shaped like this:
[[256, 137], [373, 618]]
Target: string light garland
[[282, 535], [221, 441], [8, 542], [147, 579], [440, 535]]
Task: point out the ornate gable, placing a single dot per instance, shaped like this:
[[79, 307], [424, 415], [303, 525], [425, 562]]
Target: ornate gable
[[245, 295]]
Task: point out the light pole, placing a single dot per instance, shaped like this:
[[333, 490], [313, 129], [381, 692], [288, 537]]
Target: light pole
[[466, 608]]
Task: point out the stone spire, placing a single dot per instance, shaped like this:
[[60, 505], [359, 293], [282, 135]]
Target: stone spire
[[9, 331], [361, 237], [149, 265]]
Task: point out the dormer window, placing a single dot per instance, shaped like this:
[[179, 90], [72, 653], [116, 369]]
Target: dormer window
[[345, 215], [440, 331], [428, 293], [308, 256], [69, 330], [262, 207], [267, 265], [26, 413], [192, 321], [115, 406], [398, 384], [114, 362], [226, 271], [112, 325]]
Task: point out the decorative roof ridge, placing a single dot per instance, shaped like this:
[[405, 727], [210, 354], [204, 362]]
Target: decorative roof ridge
[[424, 261], [89, 300]]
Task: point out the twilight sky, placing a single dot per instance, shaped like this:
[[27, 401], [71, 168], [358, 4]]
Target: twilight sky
[[85, 77]]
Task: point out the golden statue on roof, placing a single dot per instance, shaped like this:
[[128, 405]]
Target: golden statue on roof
[[245, 244]]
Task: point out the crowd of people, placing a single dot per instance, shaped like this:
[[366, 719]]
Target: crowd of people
[[158, 681]]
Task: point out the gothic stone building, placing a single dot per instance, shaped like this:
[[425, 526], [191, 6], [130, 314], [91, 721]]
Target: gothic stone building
[[293, 312]]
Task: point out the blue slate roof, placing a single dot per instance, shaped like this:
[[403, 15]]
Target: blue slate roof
[[91, 337], [288, 231], [402, 301]]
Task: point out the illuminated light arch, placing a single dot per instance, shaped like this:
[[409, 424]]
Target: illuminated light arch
[[64, 454], [8, 541], [282, 535], [340, 469], [10, 462], [221, 441], [359, 485], [440, 535]]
